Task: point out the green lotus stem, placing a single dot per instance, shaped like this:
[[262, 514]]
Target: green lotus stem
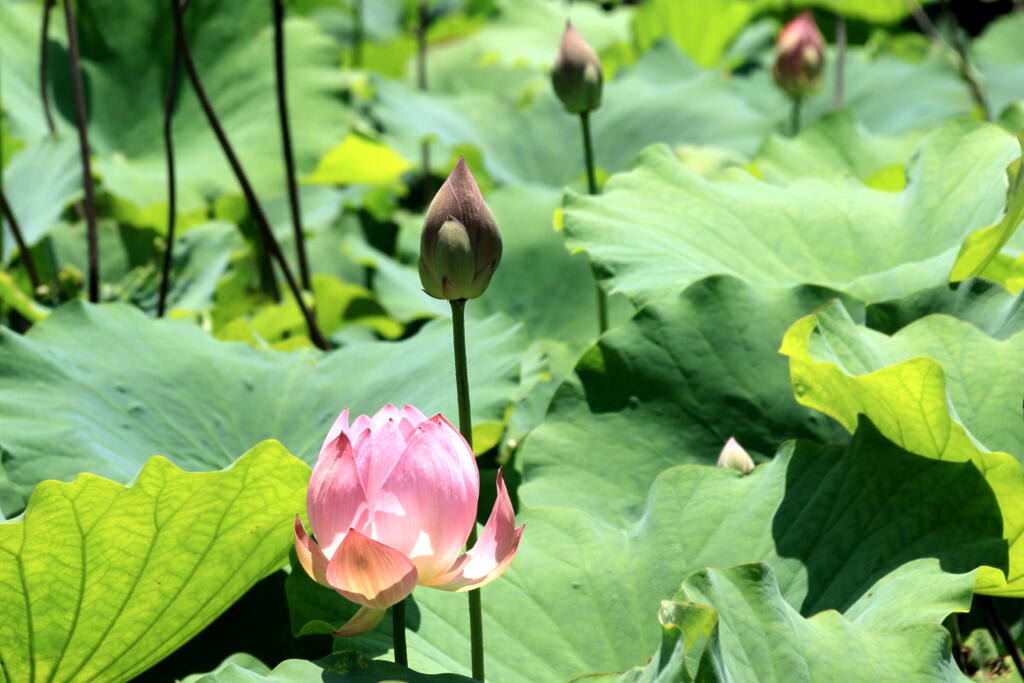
[[967, 70], [794, 116], [999, 630], [588, 156], [476, 622], [81, 120], [357, 33], [953, 626], [398, 633], [7, 212]]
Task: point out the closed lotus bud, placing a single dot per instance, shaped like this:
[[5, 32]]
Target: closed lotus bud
[[733, 456], [460, 246], [577, 75], [801, 57]]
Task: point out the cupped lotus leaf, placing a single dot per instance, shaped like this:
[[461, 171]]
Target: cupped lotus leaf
[[939, 387], [835, 524], [675, 383], [100, 581], [661, 226], [732, 624], [102, 388], [126, 61], [835, 144]]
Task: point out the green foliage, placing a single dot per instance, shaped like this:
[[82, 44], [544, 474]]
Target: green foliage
[[103, 581]]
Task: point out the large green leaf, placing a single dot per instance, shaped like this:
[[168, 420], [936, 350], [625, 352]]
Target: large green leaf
[[101, 581], [126, 58], [733, 625], [660, 225], [939, 387], [701, 28], [675, 383], [867, 530], [102, 388], [39, 182]]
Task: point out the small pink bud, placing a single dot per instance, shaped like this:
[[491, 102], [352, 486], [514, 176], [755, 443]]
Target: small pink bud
[[391, 502], [576, 75], [733, 456], [801, 56], [460, 246]]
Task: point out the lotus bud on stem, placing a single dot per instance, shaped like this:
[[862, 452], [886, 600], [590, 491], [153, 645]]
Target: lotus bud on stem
[[799, 63], [460, 248], [578, 78]]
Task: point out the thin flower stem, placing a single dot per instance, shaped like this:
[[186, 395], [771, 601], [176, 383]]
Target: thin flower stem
[[794, 116], [398, 633], [172, 190], [998, 628], [837, 95], [81, 120], [588, 157], [953, 626], [44, 61], [476, 623], [286, 143], [243, 180]]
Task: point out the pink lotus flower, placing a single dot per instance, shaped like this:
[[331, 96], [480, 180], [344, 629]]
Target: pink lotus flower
[[391, 502]]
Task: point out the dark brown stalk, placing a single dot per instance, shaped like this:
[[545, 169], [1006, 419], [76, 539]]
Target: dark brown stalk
[[286, 143], [81, 121], [172, 189], [998, 628], [243, 180], [837, 95], [44, 90], [19, 238]]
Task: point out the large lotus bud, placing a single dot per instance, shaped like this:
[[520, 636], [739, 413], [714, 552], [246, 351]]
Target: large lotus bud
[[801, 56], [460, 246], [577, 75]]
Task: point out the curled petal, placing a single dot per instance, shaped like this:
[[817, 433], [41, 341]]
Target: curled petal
[[336, 500], [427, 506], [492, 553], [310, 556], [370, 573], [363, 621]]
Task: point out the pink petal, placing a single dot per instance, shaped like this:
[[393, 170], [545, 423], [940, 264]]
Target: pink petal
[[336, 501], [370, 573], [310, 556], [340, 426], [427, 506], [363, 621], [377, 450], [492, 553], [411, 418]]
